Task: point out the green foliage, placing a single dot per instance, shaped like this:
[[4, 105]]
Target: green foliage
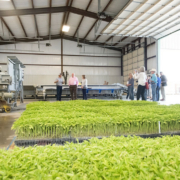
[[114, 158], [95, 118]]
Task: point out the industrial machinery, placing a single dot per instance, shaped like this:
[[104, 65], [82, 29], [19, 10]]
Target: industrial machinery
[[11, 84], [29, 91], [116, 90]]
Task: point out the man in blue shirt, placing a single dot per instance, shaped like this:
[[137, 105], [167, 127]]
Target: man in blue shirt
[[153, 84], [158, 87]]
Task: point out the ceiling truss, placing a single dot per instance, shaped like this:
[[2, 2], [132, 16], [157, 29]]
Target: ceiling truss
[[131, 25]]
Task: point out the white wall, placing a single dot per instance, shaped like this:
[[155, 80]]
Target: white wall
[[43, 67]]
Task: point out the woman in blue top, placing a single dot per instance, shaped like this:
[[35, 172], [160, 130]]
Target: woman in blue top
[[153, 84], [158, 87], [131, 86]]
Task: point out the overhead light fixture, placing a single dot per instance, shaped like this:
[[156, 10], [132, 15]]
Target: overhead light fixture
[[4, 0], [65, 28], [48, 44], [79, 45]]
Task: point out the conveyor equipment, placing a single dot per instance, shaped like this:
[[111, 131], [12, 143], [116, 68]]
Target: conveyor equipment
[[116, 90], [11, 84]]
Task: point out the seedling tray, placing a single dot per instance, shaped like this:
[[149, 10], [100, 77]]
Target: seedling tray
[[62, 141]]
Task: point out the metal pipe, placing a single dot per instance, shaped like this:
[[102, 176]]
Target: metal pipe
[[25, 37], [20, 50], [21, 42]]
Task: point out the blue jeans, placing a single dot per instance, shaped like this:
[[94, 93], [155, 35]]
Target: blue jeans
[[153, 87], [157, 93], [59, 92], [127, 93], [84, 91], [131, 92], [145, 94]]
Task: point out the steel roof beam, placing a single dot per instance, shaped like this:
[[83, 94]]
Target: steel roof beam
[[50, 4], [35, 20], [59, 37], [7, 26], [21, 12], [110, 1], [110, 23], [121, 40], [82, 18], [68, 13], [128, 3], [64, 18], [19, 19]]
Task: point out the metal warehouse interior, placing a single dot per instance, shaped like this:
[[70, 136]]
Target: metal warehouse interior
[[105, 40]]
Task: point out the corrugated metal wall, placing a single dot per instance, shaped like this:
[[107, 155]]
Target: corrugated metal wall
[[43, 67], [132, 61]]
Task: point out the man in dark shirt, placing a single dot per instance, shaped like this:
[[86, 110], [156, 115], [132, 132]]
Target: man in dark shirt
[[163, 85], [131, 86]]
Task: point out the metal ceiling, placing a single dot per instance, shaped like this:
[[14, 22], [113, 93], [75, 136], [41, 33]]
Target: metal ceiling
[[20, 19], [146, 18]]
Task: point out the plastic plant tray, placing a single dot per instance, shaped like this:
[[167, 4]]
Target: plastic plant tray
[[62, 141]]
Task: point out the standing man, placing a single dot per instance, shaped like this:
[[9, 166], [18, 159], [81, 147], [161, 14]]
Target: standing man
[[73, 83], [158, 87], [141, 77], [59, 81], [163, 85], [153, 84], [131, 86]]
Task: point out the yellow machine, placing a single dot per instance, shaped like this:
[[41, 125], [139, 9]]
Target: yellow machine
[[4, 106]]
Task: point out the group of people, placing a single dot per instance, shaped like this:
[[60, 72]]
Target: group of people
[[73, 83], [147, 85]]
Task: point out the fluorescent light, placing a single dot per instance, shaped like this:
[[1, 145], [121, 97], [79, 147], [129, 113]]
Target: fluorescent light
[[65, 28]]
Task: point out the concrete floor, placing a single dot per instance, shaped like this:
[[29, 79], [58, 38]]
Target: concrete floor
[[6, 122], [7, 119]]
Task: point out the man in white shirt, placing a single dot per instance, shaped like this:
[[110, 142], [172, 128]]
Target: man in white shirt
[[59, 81], [141, 77]]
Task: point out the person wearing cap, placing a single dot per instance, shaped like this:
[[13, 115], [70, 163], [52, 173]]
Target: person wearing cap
[[141, 77], [59, 81], [73, 83], [153, 84], [158, 87], [163, 85]]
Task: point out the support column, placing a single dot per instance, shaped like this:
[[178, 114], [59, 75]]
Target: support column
[[122, 54], [61, 55], [139, 42], [145, 53], [121, 62]]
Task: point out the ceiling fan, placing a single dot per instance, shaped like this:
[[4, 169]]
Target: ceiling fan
[[101, 15]]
